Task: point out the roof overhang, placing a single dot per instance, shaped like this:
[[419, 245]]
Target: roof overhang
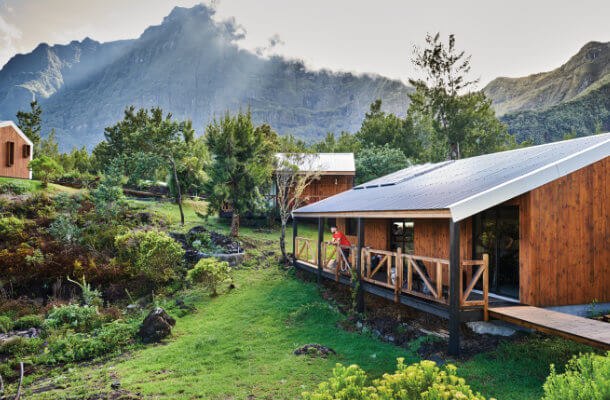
[[444, 213], [523, 184], [4, 124]]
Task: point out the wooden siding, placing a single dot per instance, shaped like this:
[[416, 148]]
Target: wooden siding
[[19, 169], [326, 186], [376, 233], [565, 246]]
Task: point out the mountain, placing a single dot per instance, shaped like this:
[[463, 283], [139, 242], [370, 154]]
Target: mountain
[[587, 70], [191, 66]]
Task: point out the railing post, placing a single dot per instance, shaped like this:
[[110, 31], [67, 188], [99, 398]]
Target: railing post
[[320, 240], [295, 230], [486, 286], [359, 246], [398, 275], [454, 284]]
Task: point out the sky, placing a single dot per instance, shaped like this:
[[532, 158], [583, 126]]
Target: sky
[[505, 38]]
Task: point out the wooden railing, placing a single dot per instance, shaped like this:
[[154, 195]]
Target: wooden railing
[[472, 278], [425, 277]]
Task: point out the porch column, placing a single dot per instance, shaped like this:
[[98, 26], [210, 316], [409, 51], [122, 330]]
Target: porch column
[[359, 246], [320, 240], [454, 285], [295, 230]]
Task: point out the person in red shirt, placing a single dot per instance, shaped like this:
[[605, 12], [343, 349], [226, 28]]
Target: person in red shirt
[[340, 239]]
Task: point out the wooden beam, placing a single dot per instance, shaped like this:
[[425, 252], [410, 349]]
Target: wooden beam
[[320, 240], [442, 213], [295, 231], [454, 284], [359, 246]]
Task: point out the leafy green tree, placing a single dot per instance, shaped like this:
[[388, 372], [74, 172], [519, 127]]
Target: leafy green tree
[[344, 143], [375, 161], [242, 164], [379, 128], [146, 141], [45, 168], [30, 124], [48, 146], [454, 117], [78, 160]]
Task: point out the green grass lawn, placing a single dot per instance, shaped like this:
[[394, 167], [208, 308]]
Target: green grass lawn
[[35, 186], [241, 342]]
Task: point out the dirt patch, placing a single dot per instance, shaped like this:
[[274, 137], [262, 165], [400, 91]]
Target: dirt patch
[[314, 350]]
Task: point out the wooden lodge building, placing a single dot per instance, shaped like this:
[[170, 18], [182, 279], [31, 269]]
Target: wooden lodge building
[[16, 151], [513, 231]]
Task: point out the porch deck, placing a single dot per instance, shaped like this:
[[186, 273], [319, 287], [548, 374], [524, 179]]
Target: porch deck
[[584, 330]]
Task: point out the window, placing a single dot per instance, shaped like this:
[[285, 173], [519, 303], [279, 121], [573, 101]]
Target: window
[[27, 151], [351, 226], [401, 235], [10, 154]]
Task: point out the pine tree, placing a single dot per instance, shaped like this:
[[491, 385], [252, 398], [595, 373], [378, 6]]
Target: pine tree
[[30, 123]]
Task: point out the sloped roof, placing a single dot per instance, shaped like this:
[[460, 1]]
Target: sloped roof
[[4, 124], [323, 162], [465, 187]]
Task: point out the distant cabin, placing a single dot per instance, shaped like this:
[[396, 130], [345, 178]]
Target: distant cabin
[[528, 227], [16, 151], [336, 173]]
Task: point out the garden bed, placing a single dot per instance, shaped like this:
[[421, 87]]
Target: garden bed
[[201, 242]]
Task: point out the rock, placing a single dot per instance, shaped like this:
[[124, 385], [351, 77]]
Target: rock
[[490, 328], [115, 385], [437, 359], [156, 326], [389, 338], [359, 325], [314, 350]]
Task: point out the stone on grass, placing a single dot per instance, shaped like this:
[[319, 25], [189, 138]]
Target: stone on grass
[[156, 326], [314, 350], [490, 328]]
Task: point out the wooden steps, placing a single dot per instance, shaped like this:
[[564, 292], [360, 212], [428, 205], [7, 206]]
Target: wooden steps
[[584, 330]]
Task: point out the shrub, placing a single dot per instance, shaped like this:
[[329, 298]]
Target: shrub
[[6, 324], [45, 168], [18, 346], [108, 339], [586, 377], [78, 318], [153, 254], [29, 321], [64, 230], [210, 272], [423, 380], [14, 188], [11, 227]]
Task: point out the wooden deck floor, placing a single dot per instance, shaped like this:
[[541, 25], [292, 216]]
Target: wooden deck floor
[[584, 330]]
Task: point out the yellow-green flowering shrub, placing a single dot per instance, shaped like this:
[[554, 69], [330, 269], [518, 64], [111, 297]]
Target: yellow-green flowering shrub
[[586, 377]]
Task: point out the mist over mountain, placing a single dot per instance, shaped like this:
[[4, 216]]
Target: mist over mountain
[[188, 65]]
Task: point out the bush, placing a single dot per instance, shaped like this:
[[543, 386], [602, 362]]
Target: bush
[[29, 321], [64, 230], [6, 324], [423, 380], [14, 188], [18, 346], [108, 339], [586, 377], [11, 227], [78, 318], [153, 254], [210, 272]]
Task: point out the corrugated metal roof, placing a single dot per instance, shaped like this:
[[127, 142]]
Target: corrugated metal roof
[[469, 185], [322, 162]]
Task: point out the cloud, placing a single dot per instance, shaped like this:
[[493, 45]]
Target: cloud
[[9, 35]]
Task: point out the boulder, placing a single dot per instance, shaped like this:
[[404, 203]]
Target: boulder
[[314, 350], [156, 326]]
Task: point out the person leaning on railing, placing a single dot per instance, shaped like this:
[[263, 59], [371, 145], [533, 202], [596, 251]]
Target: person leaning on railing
[[339, 239]]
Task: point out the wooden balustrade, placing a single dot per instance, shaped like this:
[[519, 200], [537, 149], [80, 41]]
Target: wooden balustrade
[[425, 277]]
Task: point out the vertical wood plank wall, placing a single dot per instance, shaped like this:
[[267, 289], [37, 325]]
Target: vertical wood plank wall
[[20, 167], [565, 239], [376, 233], [328, 185]]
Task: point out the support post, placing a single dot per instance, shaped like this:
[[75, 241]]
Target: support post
[[320, 240], [454, 284], [295, 231], [359, 246]]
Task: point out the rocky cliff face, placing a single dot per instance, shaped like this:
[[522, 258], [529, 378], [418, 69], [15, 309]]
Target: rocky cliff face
[[588, 70], [190, 66]]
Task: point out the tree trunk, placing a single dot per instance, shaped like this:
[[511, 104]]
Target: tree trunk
[[283, 241], [178, 191], [235, 224]]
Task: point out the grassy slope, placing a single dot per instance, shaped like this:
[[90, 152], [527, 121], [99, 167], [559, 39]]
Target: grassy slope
[[36, 186], [241, 344]]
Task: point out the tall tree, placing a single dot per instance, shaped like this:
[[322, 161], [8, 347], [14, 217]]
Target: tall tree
[[376, 161], [454, 116], [30, 123], [293, 174], [242, 165], [344, 143]]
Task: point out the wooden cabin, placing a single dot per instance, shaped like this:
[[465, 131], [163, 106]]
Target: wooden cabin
[[16, 151], [335, 174], [526, 227]]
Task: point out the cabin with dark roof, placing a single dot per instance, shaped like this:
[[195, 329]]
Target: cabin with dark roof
[[480, 236]]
